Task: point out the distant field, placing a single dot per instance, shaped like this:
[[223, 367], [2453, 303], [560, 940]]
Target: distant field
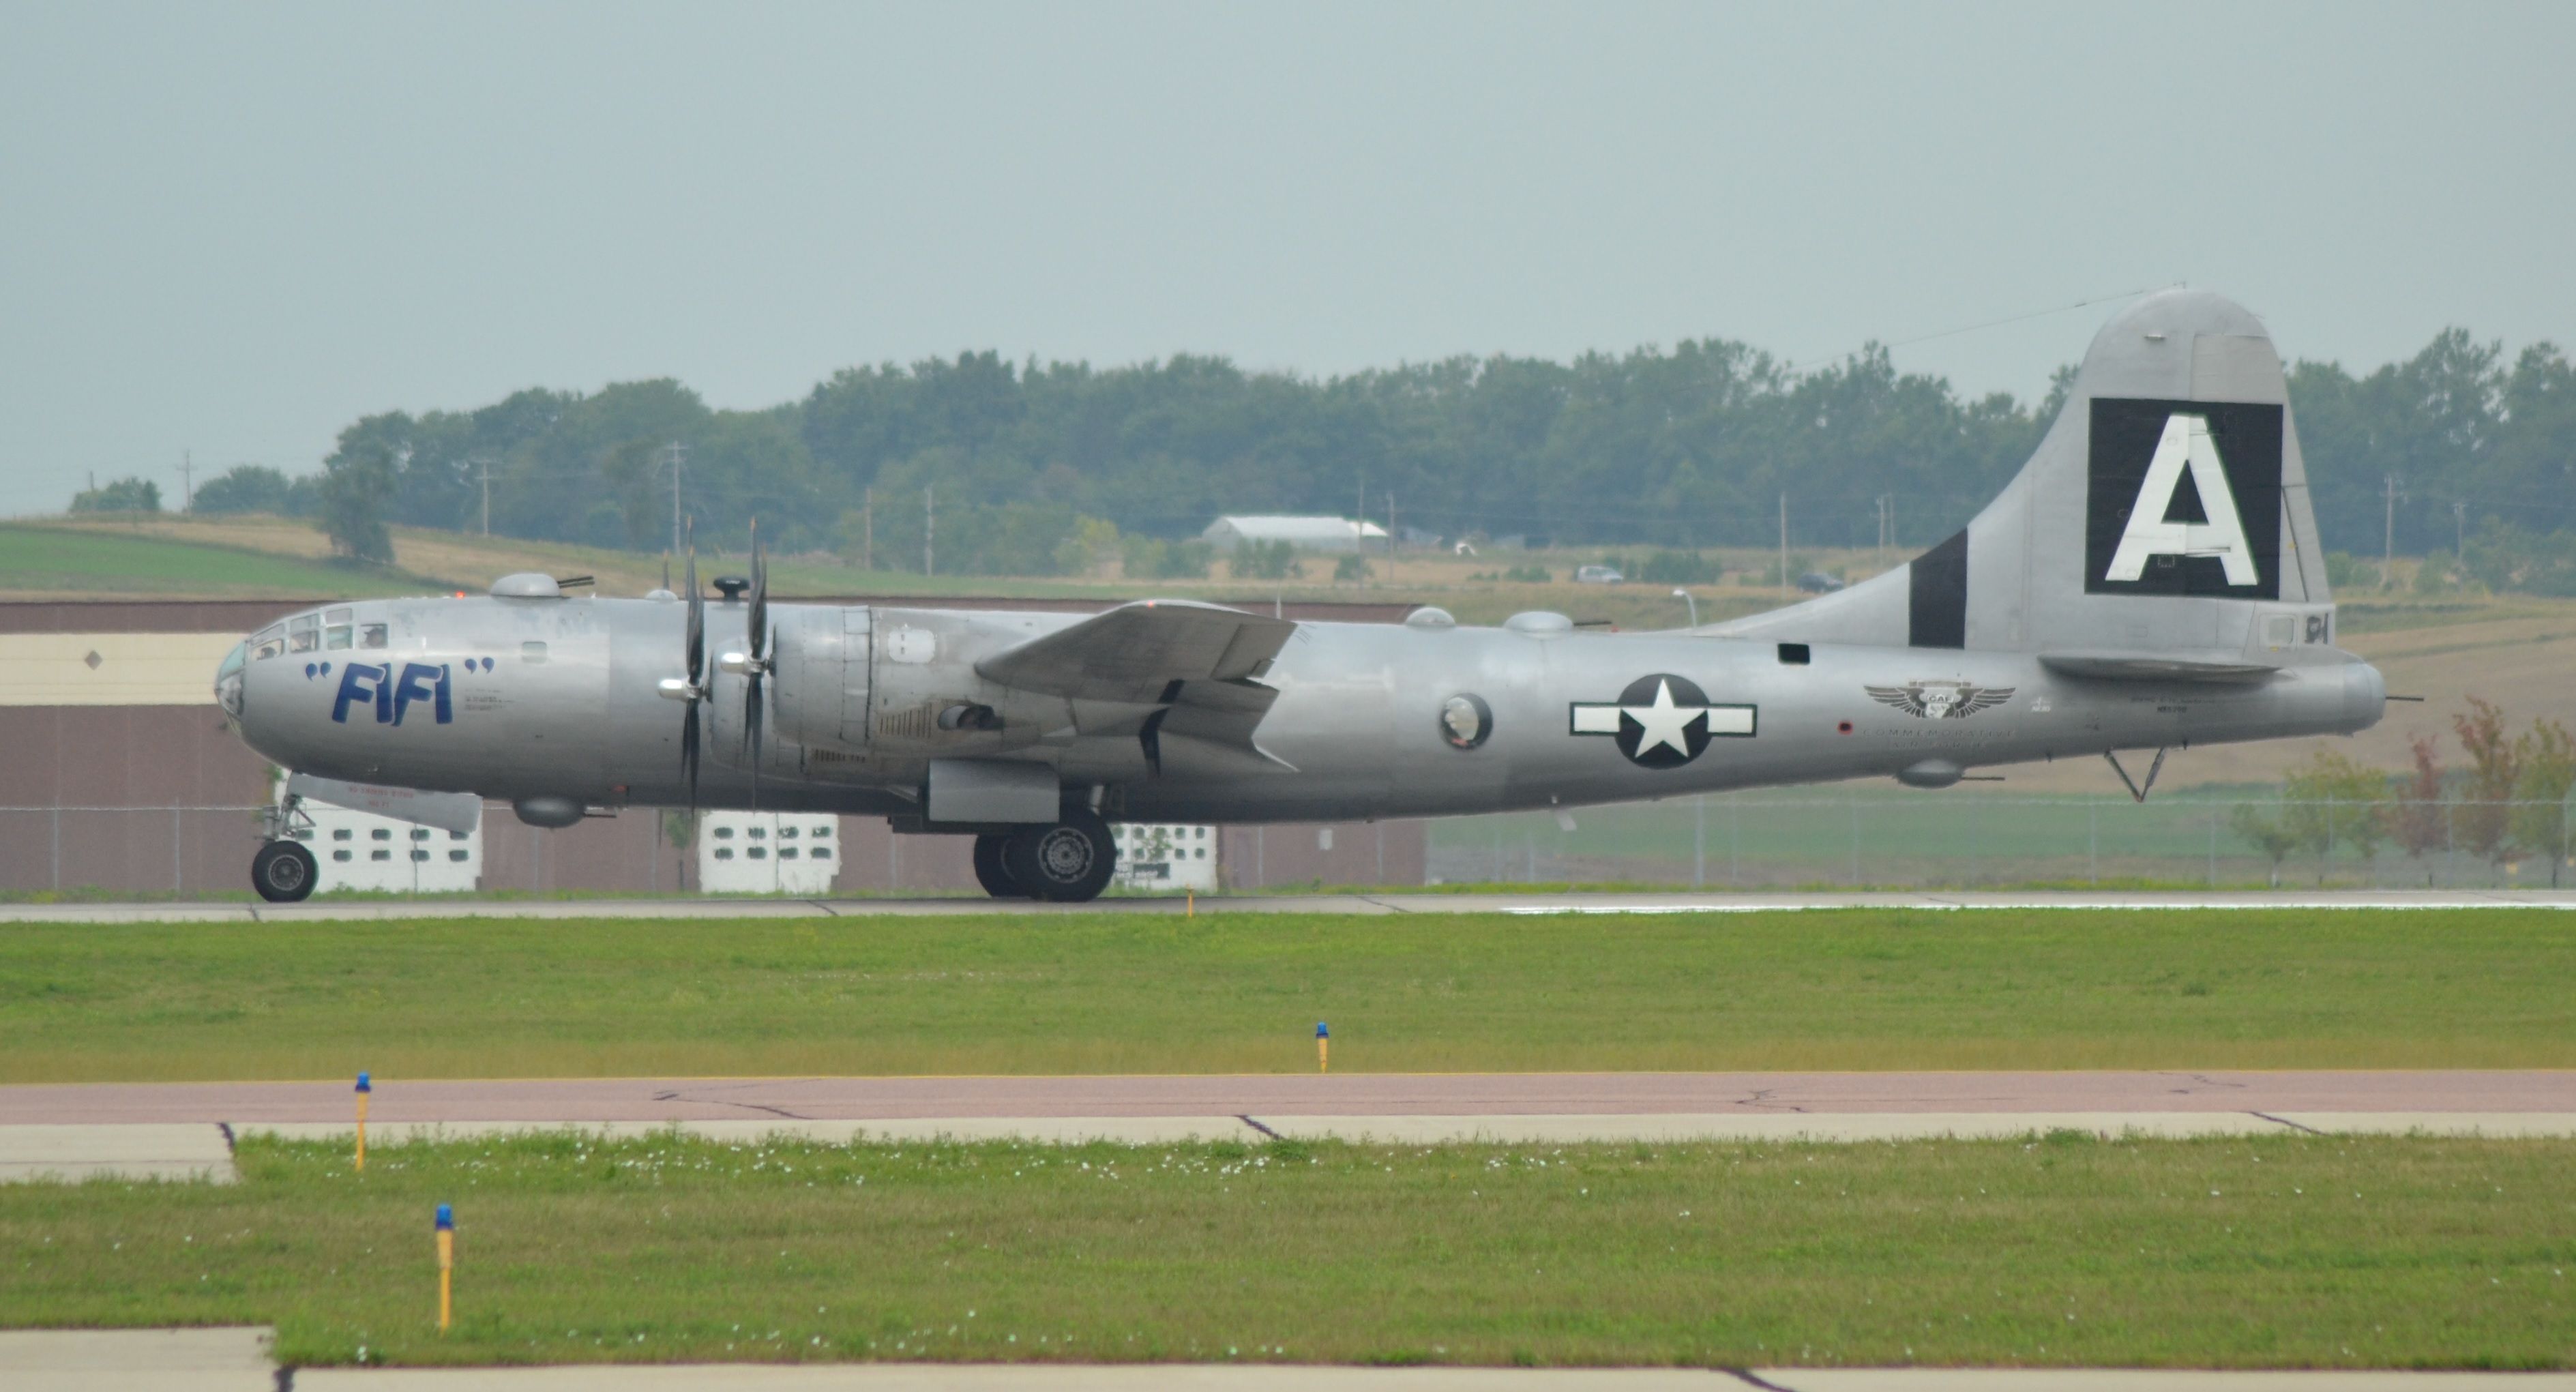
[[1115, 993], [2278, 1251], [102, 560]]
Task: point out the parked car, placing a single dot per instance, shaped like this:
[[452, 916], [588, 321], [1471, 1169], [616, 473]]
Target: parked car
[[1598, 575], [1817, 582]]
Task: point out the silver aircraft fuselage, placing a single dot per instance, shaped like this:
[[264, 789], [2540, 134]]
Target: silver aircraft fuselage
[[556, 698]]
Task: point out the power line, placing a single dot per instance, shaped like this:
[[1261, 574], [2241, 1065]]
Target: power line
[[1988, 324]]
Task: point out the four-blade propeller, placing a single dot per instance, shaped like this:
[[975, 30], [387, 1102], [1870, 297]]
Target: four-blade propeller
[[754, 666], [693, 687]]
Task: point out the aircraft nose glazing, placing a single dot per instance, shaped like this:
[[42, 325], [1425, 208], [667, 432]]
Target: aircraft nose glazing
[[228, 679]]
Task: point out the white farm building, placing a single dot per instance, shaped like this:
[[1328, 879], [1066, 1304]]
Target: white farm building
[[1304, 533]]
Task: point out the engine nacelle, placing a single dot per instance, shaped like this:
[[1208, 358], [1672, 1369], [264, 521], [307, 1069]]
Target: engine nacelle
[[897, 683]]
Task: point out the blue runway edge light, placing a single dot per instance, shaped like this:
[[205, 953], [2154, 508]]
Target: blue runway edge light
[[1321, 1032], [364, 1085], [446, 1217]]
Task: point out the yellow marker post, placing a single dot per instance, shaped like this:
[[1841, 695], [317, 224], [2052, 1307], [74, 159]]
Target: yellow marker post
[[446, 1265], [365, 1089], [1323, 1048], [1194, 904]]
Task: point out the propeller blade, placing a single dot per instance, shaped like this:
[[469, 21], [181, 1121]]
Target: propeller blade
[[697, 654], [696, 657], [758, 621], [689, 754], [756, 626]]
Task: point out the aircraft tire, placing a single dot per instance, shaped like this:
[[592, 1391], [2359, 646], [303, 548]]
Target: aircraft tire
[[1069, 862], [283, 872], [991, 873]]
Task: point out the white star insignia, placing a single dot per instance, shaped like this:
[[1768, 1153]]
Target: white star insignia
[[1664, 723]]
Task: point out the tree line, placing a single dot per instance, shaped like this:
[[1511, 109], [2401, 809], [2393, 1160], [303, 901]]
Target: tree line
[[2506, 802], [977, 463]]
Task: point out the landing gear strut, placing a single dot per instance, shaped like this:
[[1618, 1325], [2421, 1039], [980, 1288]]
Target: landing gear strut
[[1069, 862], [283, 872]]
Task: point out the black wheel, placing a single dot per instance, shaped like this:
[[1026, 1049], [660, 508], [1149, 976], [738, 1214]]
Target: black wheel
[[283, 872], [1069, 862], [991, 873]]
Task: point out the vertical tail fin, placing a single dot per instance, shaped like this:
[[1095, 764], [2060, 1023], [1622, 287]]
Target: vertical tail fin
[[2165, 513]]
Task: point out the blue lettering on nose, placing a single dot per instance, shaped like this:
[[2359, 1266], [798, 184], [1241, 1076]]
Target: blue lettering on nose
[[422, 682], [363, 681]]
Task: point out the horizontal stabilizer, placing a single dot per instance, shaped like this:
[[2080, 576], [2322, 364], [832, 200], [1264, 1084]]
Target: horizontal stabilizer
[[2160, 665], [1137, 652]]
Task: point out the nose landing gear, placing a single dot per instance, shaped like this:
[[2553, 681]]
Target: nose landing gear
[[283, 872], [1069, 862]]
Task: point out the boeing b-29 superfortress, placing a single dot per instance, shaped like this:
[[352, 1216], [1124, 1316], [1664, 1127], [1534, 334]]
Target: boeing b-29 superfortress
[[2150, 580]]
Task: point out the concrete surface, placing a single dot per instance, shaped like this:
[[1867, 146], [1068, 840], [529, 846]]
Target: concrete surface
[[1696, 902], [1280, 1095], [148, 1150], [236, 1360], [136, 1360], [185, 1130]]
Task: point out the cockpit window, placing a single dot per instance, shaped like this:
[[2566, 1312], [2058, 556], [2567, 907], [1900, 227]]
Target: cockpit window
[[335, 616], [371, 635], [303, 632], [269, 643], [336, 636]]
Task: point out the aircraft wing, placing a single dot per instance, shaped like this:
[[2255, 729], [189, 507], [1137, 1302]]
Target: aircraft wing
[[1143, 653]]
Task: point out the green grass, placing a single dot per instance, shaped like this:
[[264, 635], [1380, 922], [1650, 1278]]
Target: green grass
[[2272, 1251], [46, 558], [1140, 993]]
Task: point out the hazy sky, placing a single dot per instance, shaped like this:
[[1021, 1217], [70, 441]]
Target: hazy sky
[[235, 228]]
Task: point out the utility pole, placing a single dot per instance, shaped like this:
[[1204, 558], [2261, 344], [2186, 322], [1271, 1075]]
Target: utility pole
[[2388, 495], [487, 495], [929, 529], [1784, 545], [678, 452], [2459, 528], [1882, 521], [187, 482], [867, 529], [1390, 534]]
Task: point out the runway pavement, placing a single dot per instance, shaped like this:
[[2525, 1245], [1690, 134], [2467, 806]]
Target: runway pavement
[[326, 910], [179, 1130], [237, 1360]]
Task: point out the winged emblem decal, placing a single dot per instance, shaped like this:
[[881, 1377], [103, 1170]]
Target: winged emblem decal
[[1940, 700]]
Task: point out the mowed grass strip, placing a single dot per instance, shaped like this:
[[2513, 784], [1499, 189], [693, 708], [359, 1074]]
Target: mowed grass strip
[[2272, 1251], [1121, 993]]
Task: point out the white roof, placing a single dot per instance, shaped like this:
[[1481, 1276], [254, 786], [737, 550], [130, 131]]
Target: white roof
[[1317, 529]]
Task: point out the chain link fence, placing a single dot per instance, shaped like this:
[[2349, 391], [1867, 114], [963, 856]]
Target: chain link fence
[[1748, 840], [1772, 841]]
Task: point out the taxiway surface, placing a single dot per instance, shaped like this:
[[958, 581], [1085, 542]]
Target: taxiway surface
[[1373, 904]]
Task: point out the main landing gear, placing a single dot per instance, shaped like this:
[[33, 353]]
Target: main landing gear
[[283, 872], [1069, 862]]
